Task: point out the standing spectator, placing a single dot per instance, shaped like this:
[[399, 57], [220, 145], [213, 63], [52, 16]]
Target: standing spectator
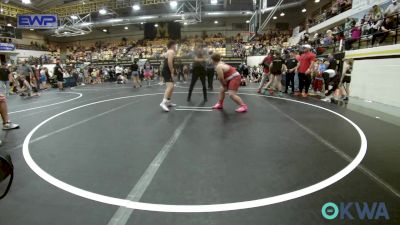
[[26, 71], [4, 80], [119, 70], [346, 80], [265, 63], [135, 75], [59, 73], [306, 61], [355, 36], [7, 124], [292, 64], [277, 68], [43, 78]]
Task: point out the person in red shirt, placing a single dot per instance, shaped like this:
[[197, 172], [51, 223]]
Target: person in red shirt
[[306, 62], [265, 63], [230, 81]]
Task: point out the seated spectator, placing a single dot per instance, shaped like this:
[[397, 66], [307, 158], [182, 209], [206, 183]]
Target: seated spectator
[[355, 36], [328, 39], [393, 9], [377, 13], [386, 29]]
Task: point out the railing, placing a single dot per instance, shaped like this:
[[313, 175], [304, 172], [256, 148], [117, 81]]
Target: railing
[[31, 47]]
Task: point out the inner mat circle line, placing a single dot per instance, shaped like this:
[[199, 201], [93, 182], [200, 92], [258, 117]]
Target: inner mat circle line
[[122, 215], [58, 103], [195, 208]]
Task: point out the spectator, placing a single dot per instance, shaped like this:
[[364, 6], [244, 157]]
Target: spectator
[[306, 61], [392, 9], [291, 64], [377, 13], [328, 39], [355, 36], [5, 80], [385, 30], [266, 64]]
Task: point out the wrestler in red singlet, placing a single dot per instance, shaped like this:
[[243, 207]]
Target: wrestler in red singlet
[[230, 80]]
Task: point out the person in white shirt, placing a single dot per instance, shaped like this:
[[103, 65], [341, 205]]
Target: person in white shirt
[[392, 9], [330, 78], [118, 70]]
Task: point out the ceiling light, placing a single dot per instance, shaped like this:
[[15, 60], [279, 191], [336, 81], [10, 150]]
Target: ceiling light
[[214, 2], [105, 30], [126, 28], [216, 21], [316, 1], [26, 1], [136, 7], [247, 21], [9, 25], [103, 11], [173, 4], [304, 10], [31, 29], [116, 20], [74, 17], [142, 23], [282, 14], [1, 10], [86, 24], [185, 23], [156, 25], [274, 17]]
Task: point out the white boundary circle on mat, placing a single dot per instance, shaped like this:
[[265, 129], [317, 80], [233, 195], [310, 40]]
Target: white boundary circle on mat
[[97, 88], [241, 88], [58, 103], [194, 208]]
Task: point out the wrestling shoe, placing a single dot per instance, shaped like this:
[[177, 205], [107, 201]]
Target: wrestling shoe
[[170, 104], [218, 106], [327, 99], [268, 92], [164, 107], [304, 95], [242, 109], [10, 126]]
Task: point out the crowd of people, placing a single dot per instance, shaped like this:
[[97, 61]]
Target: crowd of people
[[334, 8], [260, 45], [374, 27], [298, 72]]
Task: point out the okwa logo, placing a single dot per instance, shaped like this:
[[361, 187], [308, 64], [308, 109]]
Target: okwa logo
[[354, 210]]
